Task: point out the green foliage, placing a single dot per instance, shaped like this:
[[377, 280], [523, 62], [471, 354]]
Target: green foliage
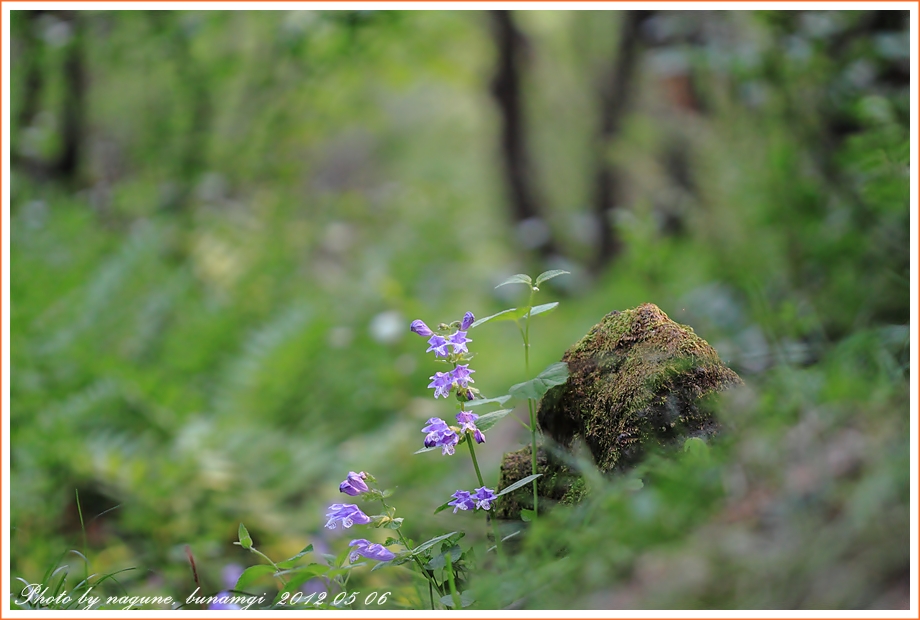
[[201, 320]]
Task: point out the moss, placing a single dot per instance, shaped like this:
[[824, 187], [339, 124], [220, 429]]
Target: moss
[[637, 379], [558, 484]]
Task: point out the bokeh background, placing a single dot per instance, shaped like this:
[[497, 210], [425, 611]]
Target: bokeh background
[[224, 221]]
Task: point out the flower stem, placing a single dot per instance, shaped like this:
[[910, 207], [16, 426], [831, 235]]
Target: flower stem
[[531, 405], [495, 532], [426, 573], [450, 580]]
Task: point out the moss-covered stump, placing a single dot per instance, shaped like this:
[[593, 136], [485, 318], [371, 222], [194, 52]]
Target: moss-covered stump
[[636, 380]]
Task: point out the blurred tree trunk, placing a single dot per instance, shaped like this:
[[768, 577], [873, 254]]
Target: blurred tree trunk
[[512, 45], [614, 94], [66, 165]]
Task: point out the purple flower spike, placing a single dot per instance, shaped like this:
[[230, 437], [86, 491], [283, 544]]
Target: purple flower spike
[[346, 514], [462, 501], [461, 375], [418, 326], [442, 382], [354, 484], [467, 422], [370, 550], [438, 344], [484, 497], [468, 319], [440, 436], [458, 342]]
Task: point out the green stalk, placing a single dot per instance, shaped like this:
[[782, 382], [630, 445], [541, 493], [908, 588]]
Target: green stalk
[[421, 567], [531, 405], [450, 580], [495, 532]]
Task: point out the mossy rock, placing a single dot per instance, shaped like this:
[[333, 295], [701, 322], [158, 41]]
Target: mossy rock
[[636, 380]]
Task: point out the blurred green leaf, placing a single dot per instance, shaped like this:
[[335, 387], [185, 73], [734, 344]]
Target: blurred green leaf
[[549, 275], [519, 278]]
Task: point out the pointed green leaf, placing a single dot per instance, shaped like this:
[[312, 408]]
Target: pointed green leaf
[[430, 543], [487, 421], [251, 574], [291, 562], [442, 507], [526, 516], [511, 314], [548, 275], [554, 374], [543, 308], [518, 278], [501, 400], [245, 538], [517, 485], [419, 451]]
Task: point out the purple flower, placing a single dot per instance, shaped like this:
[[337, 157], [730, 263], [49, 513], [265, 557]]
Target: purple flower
[[438, 344], [370, 550], [483, 497], [468, 319], [418, 326], [461, 375], [440, 435], [346, 514], [219, 603], [442, 382], [467, 422], [354, 484], [462, 501], [458, 342], [231, 574]]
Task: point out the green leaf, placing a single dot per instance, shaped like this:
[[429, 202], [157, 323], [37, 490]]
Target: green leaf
[[291, 562], [442, 507], [633, 484], [394, 524], [487, 421], [465, 600], [300, 577], [549, 275], [419, 451], [697, 449], [554, 374], [513, 534], [381, 564], [517, 485], [390, 541], [526, 515], [251, 574], [511, 314], [518, 278], [245, 538], [439, 560], [501, 400], [543, 308], [430, 543]]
